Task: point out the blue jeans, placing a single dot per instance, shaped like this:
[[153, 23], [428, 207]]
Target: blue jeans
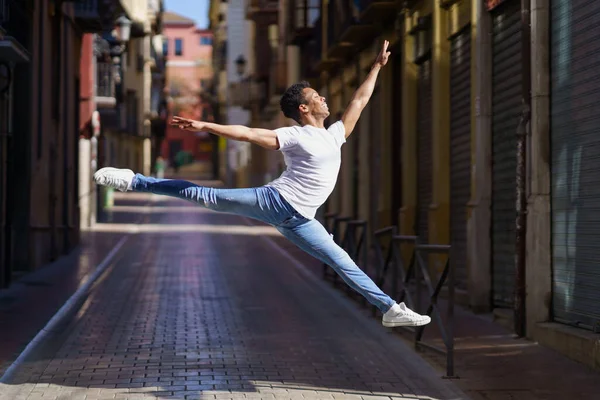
[[265, 204]]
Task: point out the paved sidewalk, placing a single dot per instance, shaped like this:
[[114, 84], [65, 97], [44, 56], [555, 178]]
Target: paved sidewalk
[[201, 305], [28, 304], [491, 362]]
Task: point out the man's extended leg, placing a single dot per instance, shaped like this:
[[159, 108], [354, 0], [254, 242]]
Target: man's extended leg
[[258, 203], [313, 238]]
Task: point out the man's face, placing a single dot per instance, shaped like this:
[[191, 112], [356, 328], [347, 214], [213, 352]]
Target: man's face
[[316, 105]]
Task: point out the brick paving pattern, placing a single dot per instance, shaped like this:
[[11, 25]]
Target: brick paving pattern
[[200, 305]]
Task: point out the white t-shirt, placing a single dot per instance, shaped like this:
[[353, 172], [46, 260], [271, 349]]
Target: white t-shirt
[[313, 157]]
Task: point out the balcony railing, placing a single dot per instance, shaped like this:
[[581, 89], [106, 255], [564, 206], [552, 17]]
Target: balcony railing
[[302, 17], [106, 81], [247, 92], [87, 15], [4, 11], [377, 10], [347, 30], [86, 9], [105, 84], [16, 19], [96, 15], [261, 6], [313, 54]]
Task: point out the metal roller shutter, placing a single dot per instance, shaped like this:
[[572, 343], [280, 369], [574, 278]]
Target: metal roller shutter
[[424, 161], [460, 150], [575, 66], [5, 268], [396, 175], [375, 158], [506, 110]]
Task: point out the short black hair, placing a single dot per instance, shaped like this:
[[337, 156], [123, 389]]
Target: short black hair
[[291, 100]]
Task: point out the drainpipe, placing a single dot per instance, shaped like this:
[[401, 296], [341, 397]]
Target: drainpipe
[[521, 204]]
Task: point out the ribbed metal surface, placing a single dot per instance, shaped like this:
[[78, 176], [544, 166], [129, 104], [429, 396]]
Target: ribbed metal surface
[[375, 158], [5, 268], [575, 66], [506, 111], [460, 150], [424, 158]]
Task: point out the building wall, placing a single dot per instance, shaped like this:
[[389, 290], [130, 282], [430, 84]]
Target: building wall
[[87, 81], [218, 26], [238, 44], [53, 205], [194, 63], [87, 142], [188, 76], [378, 129]]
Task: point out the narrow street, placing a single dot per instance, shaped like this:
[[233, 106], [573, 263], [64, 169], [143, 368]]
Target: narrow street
[[202, 305]]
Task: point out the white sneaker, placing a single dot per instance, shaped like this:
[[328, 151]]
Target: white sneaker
[[119, 179], [400, 315]]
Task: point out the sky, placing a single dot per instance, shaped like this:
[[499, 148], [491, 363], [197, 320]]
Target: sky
[[195, 9]]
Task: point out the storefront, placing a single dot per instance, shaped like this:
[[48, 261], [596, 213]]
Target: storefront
[[575, 144], [506, 111], [460, 148]]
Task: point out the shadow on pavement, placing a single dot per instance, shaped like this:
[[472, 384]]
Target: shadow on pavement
[[197, 315]]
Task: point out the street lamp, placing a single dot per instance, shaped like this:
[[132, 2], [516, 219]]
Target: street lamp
[[124, 29], [240, 64]]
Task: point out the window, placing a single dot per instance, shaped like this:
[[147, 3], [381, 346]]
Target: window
[[422, 39], [204, 83], [178, 47], [307, 13], [205, 40], [165, 47]]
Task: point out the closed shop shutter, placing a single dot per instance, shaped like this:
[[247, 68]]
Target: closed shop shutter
[[575, 136], [396, 175], [375, 158], [424, 161], [460, 150], [506, 111], [5, 268]]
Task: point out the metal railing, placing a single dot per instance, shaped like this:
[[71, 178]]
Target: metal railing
[[353, 240], [17, 20], [415, 275], [247, 92], [105, 79], [86, 8], [4, 11]]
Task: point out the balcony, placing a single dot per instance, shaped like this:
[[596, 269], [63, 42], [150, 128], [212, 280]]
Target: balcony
[[346, 32], [372, 11], [94, 16], [156, 54], [105, 85], [247, 92], [302, 17], [263, 11], [16, 28]]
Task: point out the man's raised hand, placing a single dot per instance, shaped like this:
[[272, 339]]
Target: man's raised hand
[[383, 56], [187, 124]]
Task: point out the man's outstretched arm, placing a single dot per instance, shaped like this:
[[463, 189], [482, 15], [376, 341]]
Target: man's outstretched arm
[[363, 93], [263, 137]]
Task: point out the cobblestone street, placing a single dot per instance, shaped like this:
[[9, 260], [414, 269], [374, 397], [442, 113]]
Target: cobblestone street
[[202, 305]]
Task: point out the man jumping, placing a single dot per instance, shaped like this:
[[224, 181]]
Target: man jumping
[[289, 203]]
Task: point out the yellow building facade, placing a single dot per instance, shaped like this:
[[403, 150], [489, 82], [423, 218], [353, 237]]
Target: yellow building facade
[[435, 152]]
